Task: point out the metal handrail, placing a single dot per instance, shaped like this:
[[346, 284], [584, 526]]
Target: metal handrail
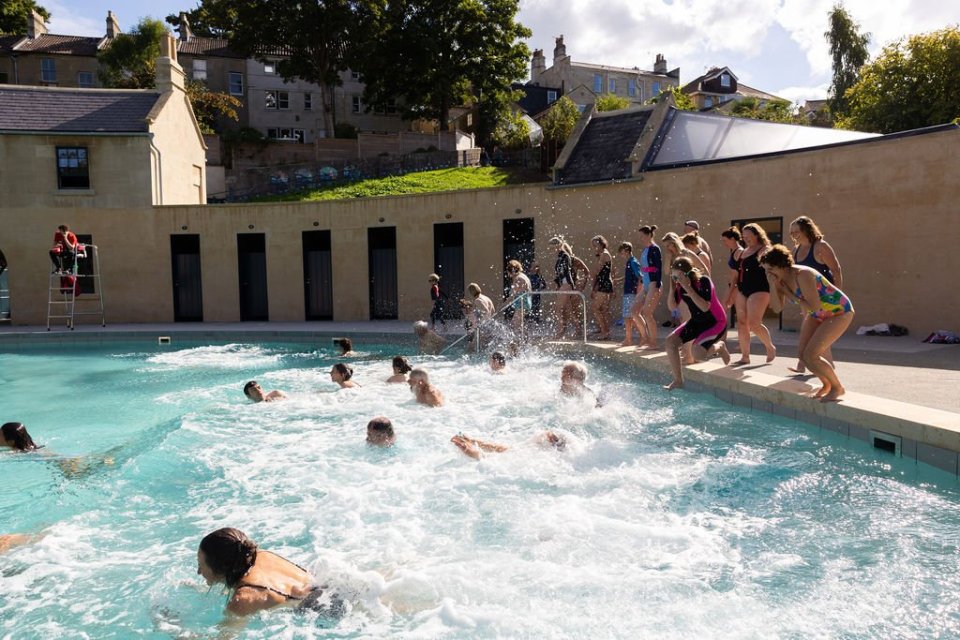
[[525, 294]]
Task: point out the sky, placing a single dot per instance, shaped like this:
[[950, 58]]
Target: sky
[[776, 46]]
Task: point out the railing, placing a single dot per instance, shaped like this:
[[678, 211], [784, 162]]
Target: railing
[[520, 309], [4, 296]]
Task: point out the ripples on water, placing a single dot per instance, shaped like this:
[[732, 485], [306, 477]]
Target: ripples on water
[[667, 516]]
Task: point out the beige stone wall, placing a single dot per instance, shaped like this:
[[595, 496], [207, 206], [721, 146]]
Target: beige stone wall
[[120, 173], [888, 207], [27, 70], [180, 157], [569, 76]]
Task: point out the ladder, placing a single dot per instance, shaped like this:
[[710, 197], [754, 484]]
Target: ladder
[[65, 301], [4, 295]]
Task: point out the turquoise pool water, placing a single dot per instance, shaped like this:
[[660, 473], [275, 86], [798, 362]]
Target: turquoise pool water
[[668, 516]]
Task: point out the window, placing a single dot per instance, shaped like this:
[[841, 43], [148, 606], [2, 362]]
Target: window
[[277, 99], [356, 104], [597, 83], [391, 106], [307, 101], [581, 107], [355, 75], [48, 70], [612, 85], [656, 88], [236, 83], [285, 134], [199, 69], [269, 67], [73, 172], [551, 97], [632, 88], [724, 80], [708, 101], [85, 79]]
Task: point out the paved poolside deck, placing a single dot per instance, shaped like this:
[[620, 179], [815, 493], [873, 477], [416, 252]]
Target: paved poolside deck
[[896, 386]]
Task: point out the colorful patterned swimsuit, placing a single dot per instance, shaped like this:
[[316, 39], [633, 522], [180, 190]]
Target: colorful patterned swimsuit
[[833, 302]]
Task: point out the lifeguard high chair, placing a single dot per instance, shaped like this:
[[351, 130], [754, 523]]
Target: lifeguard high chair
[[66, 299]]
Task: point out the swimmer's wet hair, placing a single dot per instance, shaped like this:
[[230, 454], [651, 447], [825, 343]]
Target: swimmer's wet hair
[[247, 387], [578, 368], [499, 358], [229, 553], [344, 370], [420, 373], [346, 344], [16, 434], [381, 424], [401, 364]]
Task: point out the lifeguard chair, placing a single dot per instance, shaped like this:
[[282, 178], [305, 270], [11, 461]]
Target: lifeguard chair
[[67, 289]]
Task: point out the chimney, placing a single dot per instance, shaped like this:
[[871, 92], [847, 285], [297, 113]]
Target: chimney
[[170, 74], [559, 51], [538, 64], [660, 64], [113, 27], [186, 35], [35, 26]]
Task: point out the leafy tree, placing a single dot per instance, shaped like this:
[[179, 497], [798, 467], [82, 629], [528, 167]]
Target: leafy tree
[[512, 132], [437, 54], [15, 15], [848, 48], [560, 120], [913, 83], [310, 39], [682, 101], [130, 60], [212, 19], [210, 107], [611, 102], [772, 111]]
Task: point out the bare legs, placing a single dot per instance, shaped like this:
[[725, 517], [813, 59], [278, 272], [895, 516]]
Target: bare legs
[[601, 313], [823, 336], [673, 346], [565, 306], [750, 319], [646, 323]]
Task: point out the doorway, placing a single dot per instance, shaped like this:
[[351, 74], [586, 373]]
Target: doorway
[[448, 264], [187, 289], [382, 256], [252, 271], [518, 244], [317, 275]]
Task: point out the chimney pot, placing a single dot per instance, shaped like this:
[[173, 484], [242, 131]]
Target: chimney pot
[[113, 26], [36, 26]]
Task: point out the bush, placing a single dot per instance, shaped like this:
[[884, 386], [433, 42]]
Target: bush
[[344, 130]]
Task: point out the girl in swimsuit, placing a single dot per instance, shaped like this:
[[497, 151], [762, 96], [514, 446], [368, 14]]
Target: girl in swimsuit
[[827, 311], [259, 579], [602, 287], [519, 284], [732, 241], [673, 248], [707, 325], [691, 241], [817, 254], [648, 294], [753, 294], [564, 282]]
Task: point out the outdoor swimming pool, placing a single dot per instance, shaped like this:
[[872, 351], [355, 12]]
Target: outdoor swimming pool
[[668, 515]]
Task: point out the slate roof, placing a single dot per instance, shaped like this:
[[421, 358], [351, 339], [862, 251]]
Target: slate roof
[[201, 46], [63, 45], [7, 42], [604, 146], [534, 100], [74, 110]]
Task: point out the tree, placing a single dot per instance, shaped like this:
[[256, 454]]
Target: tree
[[310, 39], [512, 132], [913, 83], [681, 101], [437, 54], [130, 60], [611, 102], [212, 19], [211, 106], [15, 15], [848, 48], [560, 120], [771, 111]]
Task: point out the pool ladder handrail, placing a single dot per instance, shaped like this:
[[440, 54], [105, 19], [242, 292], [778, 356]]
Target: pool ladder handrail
[[526, 294]]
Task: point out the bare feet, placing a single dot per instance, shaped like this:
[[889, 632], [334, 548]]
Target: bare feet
[[626, 343], [822, 391], [771, 354], [799, 369], [834, 395], [724, 353], [675, 384], [651, 344], [741, 362]]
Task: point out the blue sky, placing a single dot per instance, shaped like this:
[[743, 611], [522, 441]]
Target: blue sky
[[772, 45]]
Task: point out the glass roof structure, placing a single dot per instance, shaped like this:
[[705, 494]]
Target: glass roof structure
[[689, 138]]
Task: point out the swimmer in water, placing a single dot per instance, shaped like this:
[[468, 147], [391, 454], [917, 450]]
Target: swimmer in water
[[346, 347], [498, 362], [475, 448], [426, 393], [401, 367], [380, 432], [429, 342], [254, 392], [342, 374], [15, 436]]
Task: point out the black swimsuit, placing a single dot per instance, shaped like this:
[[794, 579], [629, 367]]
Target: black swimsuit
[[603, 282], [562, 269], [753, 279], [332, 606]]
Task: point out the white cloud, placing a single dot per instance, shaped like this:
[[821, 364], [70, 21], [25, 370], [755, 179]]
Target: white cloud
[[73, 21], [797, 95]]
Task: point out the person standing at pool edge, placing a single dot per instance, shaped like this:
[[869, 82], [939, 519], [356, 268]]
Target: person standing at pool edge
[[753, 294], [631, 282], [436, 313]]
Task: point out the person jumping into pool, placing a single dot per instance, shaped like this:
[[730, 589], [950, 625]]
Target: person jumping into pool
[[827, 311], [380, 432], [260, 579], [707, 325], [475, 448], [427, 339], [573, 375], [342, 374], [255, 392], [426, 393]]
